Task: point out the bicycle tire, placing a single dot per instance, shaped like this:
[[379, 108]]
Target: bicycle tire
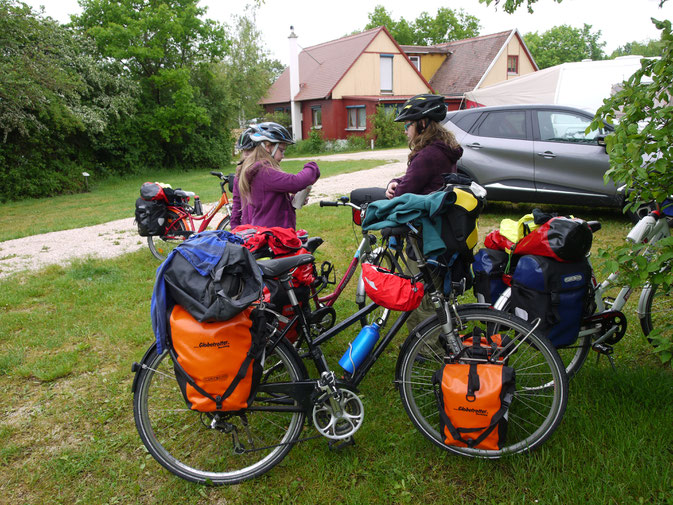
[[225, 223], [183, 441], [658, 310], [379, 257], [161, 246], [541, 383]]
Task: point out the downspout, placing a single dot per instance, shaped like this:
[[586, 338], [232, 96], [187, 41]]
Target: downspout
[[295, 107]]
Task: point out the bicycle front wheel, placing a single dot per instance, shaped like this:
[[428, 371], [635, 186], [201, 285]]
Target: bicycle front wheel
[[656, 309], [541, 382], [216, 448], [224, 224], [162, 246]]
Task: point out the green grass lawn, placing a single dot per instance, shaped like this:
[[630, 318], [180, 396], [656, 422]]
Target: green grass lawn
[[114, 198], [68, 336]]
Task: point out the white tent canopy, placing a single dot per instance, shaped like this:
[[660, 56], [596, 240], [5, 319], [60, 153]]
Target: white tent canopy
[[583, 84]]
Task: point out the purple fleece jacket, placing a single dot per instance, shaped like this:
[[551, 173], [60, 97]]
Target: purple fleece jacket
[[269, 203], [424, 172]]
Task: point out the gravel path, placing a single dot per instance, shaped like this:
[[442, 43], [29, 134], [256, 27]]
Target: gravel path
[[119, 237]]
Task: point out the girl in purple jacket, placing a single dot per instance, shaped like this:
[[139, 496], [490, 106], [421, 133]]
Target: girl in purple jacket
[[434, 150], [264, 190]]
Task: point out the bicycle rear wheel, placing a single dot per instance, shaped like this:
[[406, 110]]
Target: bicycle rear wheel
[[541, 383], [162, 246], [225, 223], [216, 448], [657, 309]]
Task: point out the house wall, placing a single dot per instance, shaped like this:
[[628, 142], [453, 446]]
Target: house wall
[[498, 72], [364, 77], [430, 63]]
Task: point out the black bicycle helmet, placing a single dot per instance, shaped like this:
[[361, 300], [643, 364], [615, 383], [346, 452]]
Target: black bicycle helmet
[[271, 132], [244, 141], [423, 106]]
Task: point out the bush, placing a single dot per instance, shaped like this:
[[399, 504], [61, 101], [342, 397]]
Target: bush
[[385, 131], [356, 143], [282, 118], [314, 144]]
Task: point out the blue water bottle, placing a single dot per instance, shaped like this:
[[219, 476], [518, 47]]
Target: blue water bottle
[[361, 347]]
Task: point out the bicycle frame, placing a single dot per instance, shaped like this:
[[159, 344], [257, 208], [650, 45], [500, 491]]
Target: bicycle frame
[[190, 219]]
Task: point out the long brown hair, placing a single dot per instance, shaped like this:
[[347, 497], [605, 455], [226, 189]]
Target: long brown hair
[[432, 131], [259, 153]]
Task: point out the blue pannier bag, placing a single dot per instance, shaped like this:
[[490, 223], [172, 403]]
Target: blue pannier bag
[[489, 266], [555, 292]]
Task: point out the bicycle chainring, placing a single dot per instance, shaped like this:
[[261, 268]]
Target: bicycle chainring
[[339, 425], [608, 321]]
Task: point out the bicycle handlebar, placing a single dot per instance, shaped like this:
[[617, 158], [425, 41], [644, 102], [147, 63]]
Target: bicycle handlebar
[[324, 203]]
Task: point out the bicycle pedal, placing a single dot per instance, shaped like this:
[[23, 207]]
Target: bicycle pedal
[[338, 445]]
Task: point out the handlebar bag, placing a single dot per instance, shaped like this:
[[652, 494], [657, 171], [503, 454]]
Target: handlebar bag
[[150, 217], [217, 364], [557, 293], [391, 290], [473, 401]]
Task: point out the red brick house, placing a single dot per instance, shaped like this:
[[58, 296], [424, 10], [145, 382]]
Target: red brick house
[[343, 81]]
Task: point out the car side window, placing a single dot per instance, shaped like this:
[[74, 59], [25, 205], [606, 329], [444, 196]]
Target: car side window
[[503, 124], [557, 126], [466, 120]]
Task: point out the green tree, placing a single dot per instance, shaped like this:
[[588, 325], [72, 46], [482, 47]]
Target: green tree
[[563, 44], [646, 48], [385, 131], [168, 49], [446, 25], [57, 100]]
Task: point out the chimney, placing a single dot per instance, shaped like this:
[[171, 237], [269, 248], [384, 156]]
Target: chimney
[[295, 107]]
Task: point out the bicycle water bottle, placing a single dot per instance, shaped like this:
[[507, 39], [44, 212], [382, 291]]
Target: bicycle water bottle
[[641, 229], [360, 348], [198, 209]]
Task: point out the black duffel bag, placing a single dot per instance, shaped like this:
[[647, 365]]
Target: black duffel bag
[[232, 285]]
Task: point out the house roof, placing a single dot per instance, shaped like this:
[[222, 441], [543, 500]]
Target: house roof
[[468, 62], [321, 67], [425, 49]]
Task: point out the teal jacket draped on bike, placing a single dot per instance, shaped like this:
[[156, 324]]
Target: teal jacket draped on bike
[[203, 251], [425, 210]]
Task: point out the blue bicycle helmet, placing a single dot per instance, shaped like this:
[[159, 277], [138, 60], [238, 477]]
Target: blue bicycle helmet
[[271, 132]]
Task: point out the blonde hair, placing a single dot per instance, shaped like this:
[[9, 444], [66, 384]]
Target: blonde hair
[[259, 153], [433, 131]]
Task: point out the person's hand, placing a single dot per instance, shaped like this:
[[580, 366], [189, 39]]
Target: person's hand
[[390, 190]]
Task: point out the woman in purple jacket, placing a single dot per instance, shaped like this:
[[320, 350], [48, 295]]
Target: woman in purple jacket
[[434, 150], [265, 191]]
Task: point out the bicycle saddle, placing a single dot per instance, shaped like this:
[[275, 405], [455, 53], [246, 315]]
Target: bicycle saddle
[[278, 266]]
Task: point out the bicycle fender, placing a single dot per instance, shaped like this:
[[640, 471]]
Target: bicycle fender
[[136, 367]]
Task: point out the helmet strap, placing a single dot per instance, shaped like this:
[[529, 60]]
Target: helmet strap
[[273, 151], [420, 125]]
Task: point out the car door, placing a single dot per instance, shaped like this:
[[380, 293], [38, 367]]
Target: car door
[[498, 153], [569, 163]]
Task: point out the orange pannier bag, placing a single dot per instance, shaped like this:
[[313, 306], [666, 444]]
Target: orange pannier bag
[[217, 364], [473, 401]]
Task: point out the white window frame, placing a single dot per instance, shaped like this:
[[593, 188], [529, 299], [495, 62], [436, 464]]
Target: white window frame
[[360, 112], [416, 60], [386, 73], [314, 109]]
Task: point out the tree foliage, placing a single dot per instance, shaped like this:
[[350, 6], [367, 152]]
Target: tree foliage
[[563, 44], [57, 100], [446, 25], [647, 48]]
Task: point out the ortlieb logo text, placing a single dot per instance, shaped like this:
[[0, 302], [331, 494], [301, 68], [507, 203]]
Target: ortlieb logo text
[[223, 344], [478, 412]]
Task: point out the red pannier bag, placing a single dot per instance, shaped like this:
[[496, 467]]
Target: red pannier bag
[[561, 238], [217, 364], [391, 290]]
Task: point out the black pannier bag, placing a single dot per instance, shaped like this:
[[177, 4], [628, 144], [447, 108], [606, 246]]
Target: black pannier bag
[[150, 217], [232, 285], [555, 292]]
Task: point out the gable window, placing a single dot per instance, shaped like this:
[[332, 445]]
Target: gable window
[[416, 60], [386, 73], [512, 64], [316, 116], [357, 117]]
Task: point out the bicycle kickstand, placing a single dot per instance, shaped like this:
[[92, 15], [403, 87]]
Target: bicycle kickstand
[[606, 350], [337, 445]]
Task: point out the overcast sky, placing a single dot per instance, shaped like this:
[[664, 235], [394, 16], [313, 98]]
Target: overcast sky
[[317, 21]]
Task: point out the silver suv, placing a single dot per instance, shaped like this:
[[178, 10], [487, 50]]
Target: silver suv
[[534, 153]]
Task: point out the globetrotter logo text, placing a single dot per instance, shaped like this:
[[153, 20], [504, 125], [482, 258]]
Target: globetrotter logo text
[[220, 345], [479, 412]]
